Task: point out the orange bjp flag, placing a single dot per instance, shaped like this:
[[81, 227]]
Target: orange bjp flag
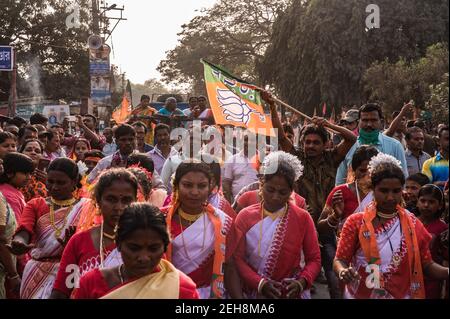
[[121, 114], [235, 102]]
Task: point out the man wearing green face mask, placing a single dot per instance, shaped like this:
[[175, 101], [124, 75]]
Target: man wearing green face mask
[[370, 125]]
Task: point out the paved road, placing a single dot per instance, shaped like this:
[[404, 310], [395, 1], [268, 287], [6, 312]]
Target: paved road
[[321, 291]]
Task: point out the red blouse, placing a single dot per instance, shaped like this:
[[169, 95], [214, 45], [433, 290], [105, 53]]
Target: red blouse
[[350, 199], [80, 251]]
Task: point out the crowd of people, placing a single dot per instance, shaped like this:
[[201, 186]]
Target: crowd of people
[[126, 213]]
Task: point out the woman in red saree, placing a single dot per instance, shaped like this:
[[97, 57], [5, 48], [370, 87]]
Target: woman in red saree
[[197, 229], [45, 226], [384, 252], [274, 244], [95, 247], [430, 205], [142, 240], [343, 201]]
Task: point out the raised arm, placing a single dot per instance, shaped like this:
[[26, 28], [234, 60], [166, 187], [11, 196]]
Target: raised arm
[[285, 143], [396, 122], [348, 138]]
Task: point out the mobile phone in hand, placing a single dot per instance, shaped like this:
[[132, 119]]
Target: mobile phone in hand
[[43, 164]]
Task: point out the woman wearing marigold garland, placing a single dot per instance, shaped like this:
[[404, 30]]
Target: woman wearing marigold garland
[[198, 229], [384, 252], [95, 247], [45, 227], [274, 243]]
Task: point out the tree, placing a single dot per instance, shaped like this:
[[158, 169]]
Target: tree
[[151, 86], [52, 59], [438, 101], [320, 49], [232, 33], [395, 83]]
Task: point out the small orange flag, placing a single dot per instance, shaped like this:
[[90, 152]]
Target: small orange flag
[[121, 114]]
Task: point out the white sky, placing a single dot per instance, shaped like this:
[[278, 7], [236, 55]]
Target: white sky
[[151, 29]]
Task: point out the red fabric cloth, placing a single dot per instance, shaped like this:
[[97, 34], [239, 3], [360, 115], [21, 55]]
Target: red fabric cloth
[[350, 199], [94, 286], [435, 228], [251, 198], [80, 251], [34, 209], [14, 198], [226, 208], [300, 235], [398, 284]]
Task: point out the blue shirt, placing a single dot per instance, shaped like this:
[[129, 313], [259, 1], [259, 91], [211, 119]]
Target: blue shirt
[[386, 144], [165, 111], [436, 168]]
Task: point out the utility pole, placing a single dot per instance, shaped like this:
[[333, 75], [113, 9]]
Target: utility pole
[[95, 18], [13, 86]]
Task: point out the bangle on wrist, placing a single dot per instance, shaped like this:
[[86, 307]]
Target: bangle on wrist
[[302, 288], [13, 276], [261, 284], [340, 274], [330, 224]]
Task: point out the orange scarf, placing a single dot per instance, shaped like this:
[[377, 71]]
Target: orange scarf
[[368, 241], [217, 283]]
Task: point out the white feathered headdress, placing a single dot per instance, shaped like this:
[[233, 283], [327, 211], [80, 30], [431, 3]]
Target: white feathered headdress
[[82, 168], [382, 158], [271, 162]]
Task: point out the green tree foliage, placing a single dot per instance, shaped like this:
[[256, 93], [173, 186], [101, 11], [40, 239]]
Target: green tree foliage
[[232, 33], [320, 49], [438, 101], [395, 83], [52, 59], [151, 86]]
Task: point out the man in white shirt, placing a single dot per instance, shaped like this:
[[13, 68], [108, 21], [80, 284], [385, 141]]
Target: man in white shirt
[[240, 170]]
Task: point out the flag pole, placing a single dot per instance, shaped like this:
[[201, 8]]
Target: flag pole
[[292, 108]]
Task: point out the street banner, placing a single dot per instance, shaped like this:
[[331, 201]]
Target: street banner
[[6, 58]]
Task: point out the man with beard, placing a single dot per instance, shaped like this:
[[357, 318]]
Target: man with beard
[[141, 131], [370, 125], [320, 163], [125, 136], [163, 149], [415, 156]]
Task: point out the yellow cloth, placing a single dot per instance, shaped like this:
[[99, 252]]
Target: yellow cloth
[[164, 284], [280, 213], [148, 111]]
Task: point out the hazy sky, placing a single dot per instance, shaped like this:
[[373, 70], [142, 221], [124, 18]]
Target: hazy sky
[[151, 29]]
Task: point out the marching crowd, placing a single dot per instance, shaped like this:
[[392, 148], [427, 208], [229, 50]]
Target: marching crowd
[[125, 213]]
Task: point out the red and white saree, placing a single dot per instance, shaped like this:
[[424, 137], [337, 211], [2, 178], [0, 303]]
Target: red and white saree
[[276, 247], [40, 272]]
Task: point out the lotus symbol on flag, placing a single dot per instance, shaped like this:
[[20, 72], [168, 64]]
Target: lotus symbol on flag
[[234, 108]]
